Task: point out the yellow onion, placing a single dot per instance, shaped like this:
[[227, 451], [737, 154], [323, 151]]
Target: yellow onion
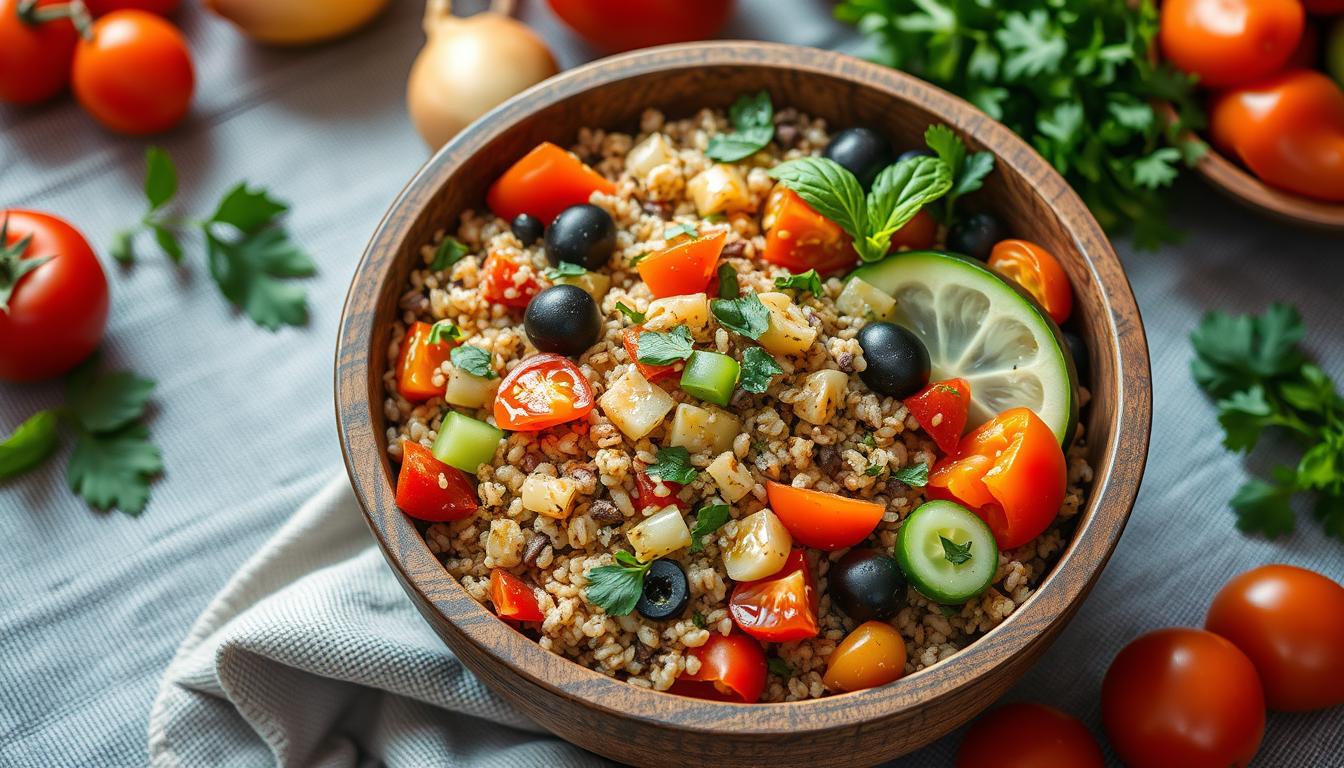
[[297, 22], [468, 66]]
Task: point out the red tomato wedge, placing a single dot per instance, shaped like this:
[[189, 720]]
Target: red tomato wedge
[[732, 668], [684, 268], [1038, 271], [513, 598], [823, 520], [418, 361], [648, 493], [781, 607], [545, 390], [798, 238], [941, 410], [1010, 471], [428, 489], [545, 182], [918, 234], [630, 340], [502, 285]]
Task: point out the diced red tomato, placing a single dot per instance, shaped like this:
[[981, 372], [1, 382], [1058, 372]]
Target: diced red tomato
[[684, 268], [543, 183], [781, 607], [648, 493], [823, 520], [918, 234], [418, 361], [428, 489], [798, 238], [545, 390], [502, 285], [941, 409], [1038, 271], [513, 598], [1010, 471], [732, 668], [630, 339]]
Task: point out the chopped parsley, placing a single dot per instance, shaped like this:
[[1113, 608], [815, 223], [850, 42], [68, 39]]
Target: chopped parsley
[[874, 470], [745, 315], [779, 667], [616, 588], [449, 252], [807, 281], [955, 553], [913, 475], [655, 348], [635, 317], [673, 465], [708, 519], [677, 230], [444, 332], [473, 360], [728, 287], [565, 269], [758, 368], [753, 119], [699, 620]]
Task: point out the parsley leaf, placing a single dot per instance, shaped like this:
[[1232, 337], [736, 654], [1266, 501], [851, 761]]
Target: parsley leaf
[[728, 287], [752, 116], [655, 348], [673, 465], [708, 519], [449, 252], [746, 315], [616, 588], [677, 230], [106, 402], [473, 360], [444, 332], [635, 317], [565, 269], [1264, 508], [955, 553], [1232, 353], [758, 368], [779, 667], [114, 469], [869, 440], [873, 470], [913, 475], [807, 281], [699, 620], [968, 171], [30, 445]]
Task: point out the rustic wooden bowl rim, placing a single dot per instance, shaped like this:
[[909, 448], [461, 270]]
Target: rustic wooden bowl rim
[[1108, 504]]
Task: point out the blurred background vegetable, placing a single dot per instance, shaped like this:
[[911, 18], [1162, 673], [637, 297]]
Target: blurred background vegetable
[[624, 25], [296, 22], [133, 73], [37, 43]]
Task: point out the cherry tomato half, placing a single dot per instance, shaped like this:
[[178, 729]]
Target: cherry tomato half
[[630, 340], [543, 183], [1010, 471], [1027, 735], [941, 410], [428, 489], [917, 234], [419, 360], [35, 55], [649, 498], [1035, 269], [781, 607], [507, 283], [821, 520], [732, 668], [685, 268], [545, 390], [1183, 697], [513, 598], [872, 655], [57, 312], [1290, 622], [135, 74], [624, 25], [1229, 42], [798, 238]]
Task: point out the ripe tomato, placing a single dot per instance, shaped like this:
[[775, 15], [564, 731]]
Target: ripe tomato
[[1290, 622], [418, 362], [624, 25], [1035, 269], [513, 598], [732, 668], [798, 238], [649, 498], [684, 268], [1229, 42], [872, 655], [941, 410], [503, 283], [630, 340], [1027, 735], [1183, 697], [1288, 129], [135, 74], [1010, 471], [781, 607], [918, 233], [161, 7], [543, 183], [545, 390], [56, 313], [428, 489], [34, 55], [820, 520]]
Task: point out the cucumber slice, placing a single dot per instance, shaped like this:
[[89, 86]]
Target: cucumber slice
[[466, 443], [982, 328], [923, 556]]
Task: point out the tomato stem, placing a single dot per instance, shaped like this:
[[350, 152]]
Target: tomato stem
[[74, 10], [12, 264]]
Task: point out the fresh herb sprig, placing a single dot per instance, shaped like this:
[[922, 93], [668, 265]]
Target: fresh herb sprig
[[745, 315], [955, 553], [1261, 379], [657, 348], [473, 360], [804, 281], [251, 257], [753, 119], [616, 588], [913, 475], [708, 519], [758, 369], [673, 465]]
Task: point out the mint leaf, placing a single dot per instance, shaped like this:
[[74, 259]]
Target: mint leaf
[[473, 360], [564, 270], [752, 117], [106, 402], [899, 192], [708, 519], [728, 287], [160, 178], [745, 315], [635, 317], [913, 475], [656, 348], [616, 588], [114, 469], [673, 465], [450, 251], [758, 368], [32, 442], [807, 281], [444, 332], [955, 553]]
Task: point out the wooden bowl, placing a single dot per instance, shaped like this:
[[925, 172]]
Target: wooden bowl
[[1241, 185], [646, 727]]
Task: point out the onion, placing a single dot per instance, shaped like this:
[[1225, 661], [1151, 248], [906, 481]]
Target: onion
[[297, 22], [469, 65]]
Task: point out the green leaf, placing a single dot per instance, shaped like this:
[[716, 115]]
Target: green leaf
[[1329, 510], [677, 230], [830, 189], [444, 332], [249, 270], [968, 171], [121, 248], [635, 317], [473, 360], [1158, 168], [616, 588], [708, 519], [168, 242], [1321, 468], [955, 553], [32, 442], [565, 269], [248, 209], [1243, 416], [114, 469], [1235, 352], [1264, 508], [913, 475], [160, 178], [873, 470], [450, 251], [778, 667], [699, 620], [728, 287], [673, 465], [656, 348], [807, 281], [758, 368], [1031, 43], [745, 315], [899, 192], [106, 402], [752, 116], [752, 110]]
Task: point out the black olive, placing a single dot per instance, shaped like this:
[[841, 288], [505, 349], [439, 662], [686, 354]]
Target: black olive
[[1078, 351], [665, 591], [581, 234], [863, 151], [975, 235], [909, 153], [563, 319], [527, 228], [867, 584], [898, 363]]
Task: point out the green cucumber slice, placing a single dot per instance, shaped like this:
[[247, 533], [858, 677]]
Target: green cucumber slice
[[982, 328], [466, 443], [923, 556]]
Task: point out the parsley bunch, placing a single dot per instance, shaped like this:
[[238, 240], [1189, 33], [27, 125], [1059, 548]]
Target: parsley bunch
[[1072, 77], [1261, 379]]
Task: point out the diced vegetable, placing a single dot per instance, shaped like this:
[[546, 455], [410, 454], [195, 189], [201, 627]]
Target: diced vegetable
[[798, 238], [789, 332], [661, 534], [861, 299], [630, 340], [468, 390], [420, 359], [703, 429], [759, 548], [545, 390], [648, 487], [466, 443], [428, 489], [552, 497], [543, 183], [781, 608], [872, 655], [513, 598], [947, 552], [684, 268], [648, 154], [719, 189], [503, 285], [823, 395], [634, 405], [732, 668], [821, 520], [710, 376], [595, 284], [733, 479], [941, 410], [690, 310]]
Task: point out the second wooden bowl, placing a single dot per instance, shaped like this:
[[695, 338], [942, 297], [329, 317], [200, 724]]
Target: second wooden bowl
[[1241, 185], [646, 727]]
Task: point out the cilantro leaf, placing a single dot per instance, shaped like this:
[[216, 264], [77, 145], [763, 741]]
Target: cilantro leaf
[[758, 368], [444, 332], [873, 470], [913, 475], [114, 469], [807, 281], [1232, 353], [673, 465], [565, 269], [160, 178], [109, 401], [699, 620], [617, 588], [779, 667], [656, 348], [968, 171], [1158, 168], [635, 317], [674, 231], [955, 553], [31, 444], [249, 271], [473, 360], [752, 116], [248, 209], [745, 315], [708, 519], [1243, 416], [728, 287], [450, 251], [1264, 508]]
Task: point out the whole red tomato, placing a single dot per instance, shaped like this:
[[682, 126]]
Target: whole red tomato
[[1183, 697], [34, 55], [1027, 735], [56, 313], [1290, 623], [135, 73], [624, 25], [1229, 42], [161, 7]]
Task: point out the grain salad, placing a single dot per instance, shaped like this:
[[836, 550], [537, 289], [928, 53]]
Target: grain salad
[[669, 400]]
